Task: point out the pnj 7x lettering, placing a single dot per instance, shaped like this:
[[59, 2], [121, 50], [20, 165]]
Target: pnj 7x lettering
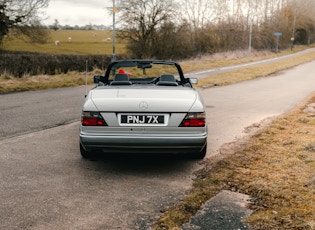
[[142, 119]]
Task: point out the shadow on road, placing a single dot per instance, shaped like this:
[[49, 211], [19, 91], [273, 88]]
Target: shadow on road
[[141, 164]]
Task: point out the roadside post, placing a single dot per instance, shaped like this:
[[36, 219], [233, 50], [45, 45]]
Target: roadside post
[[292, 43], [114, 31], [86, 76], [278, 35]]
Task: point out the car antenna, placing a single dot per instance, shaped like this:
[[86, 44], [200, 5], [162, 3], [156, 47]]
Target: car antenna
[[86, 76]]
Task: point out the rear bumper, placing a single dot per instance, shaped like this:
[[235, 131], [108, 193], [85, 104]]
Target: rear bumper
[[179, 144]]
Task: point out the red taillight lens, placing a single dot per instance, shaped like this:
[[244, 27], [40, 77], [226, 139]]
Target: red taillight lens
[[92, 119], [194, 120]]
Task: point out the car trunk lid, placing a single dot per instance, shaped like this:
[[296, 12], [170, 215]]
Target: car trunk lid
[[151, 99]]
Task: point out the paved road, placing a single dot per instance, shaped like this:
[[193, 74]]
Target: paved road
[[31, 111], [208, 72], [46, 185]]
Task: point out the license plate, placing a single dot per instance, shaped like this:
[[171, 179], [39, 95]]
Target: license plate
[[142, 119]]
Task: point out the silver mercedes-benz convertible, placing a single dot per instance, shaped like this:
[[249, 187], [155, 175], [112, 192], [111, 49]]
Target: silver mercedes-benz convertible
[[143, 106]]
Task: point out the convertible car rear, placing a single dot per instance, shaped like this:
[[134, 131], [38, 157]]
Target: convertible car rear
[[143, 106]]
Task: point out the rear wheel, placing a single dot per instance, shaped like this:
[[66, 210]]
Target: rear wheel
[[85, 154]]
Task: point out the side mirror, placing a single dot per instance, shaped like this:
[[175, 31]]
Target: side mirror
[[193, 80], [96, 79], [99, 79]]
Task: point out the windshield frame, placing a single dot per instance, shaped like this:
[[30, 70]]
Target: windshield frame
[[143, 64]]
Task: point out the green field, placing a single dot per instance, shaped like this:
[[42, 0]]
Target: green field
[[82, 42]]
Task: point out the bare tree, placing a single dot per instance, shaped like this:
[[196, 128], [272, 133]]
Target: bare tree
[[302, 20], [198, 12], [140, 21], [22, 15]]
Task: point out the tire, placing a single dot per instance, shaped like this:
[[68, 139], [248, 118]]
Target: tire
[[85, 154], [200, 155]]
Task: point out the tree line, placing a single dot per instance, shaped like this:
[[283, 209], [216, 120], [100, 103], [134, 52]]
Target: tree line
[[57, 26], [186, 28], [177, 29]]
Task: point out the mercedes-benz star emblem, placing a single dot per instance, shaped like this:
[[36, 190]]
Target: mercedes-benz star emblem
[[143, 105]]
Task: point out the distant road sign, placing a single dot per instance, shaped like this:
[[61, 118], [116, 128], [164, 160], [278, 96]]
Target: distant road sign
[[278, 34]]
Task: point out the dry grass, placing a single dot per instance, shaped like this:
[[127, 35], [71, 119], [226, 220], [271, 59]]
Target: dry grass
[[10, 84], [232, 58], [276, 168], [250, 73]]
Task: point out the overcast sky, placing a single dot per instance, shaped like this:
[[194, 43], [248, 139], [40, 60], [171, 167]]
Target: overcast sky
[[78, 12]]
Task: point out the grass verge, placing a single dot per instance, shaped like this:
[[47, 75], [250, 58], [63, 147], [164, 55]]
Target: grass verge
[[27, 83], [250, 73], [275, 167]]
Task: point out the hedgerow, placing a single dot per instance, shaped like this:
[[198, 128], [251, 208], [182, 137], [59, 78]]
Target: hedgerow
[[18, 64]]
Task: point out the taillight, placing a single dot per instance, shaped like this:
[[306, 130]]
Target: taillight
[[92, 119], [194, 120]]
